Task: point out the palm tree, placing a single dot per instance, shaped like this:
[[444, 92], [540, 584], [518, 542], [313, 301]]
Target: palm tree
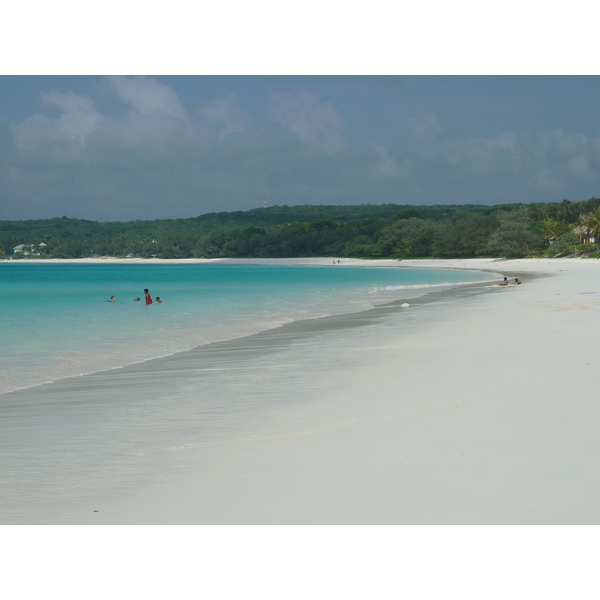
[[594, 220], [587, 222], [552, 230]]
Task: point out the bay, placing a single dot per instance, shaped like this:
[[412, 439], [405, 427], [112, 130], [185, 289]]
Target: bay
[[57, 319]]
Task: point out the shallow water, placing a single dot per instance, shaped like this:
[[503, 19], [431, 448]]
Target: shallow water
[[57, 320]]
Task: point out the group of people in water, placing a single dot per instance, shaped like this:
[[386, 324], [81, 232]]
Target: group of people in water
[[506, 282], [148, 298]]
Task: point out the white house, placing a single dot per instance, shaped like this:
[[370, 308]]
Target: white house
[[28, 249], [585, 236]]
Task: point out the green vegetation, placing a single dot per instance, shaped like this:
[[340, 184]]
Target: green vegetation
[[366, 231]]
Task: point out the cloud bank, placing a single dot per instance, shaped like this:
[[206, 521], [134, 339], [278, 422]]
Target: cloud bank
[[152, 156]]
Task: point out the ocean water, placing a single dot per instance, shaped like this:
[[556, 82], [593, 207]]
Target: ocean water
[[57, 320]]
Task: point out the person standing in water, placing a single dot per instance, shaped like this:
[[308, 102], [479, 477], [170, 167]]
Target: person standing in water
[[148, 297]]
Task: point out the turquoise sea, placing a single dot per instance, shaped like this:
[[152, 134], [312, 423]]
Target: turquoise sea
[[57, 320]]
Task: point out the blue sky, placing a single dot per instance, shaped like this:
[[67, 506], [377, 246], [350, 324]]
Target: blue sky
[[143, 147]]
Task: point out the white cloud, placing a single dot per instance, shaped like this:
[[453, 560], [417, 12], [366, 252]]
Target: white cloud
[[140, 130], [558, 159], [147, 96], [79, 118], [226, 115], [318, 124], [559, 147], [579, 165], [155, 116], [548, 180], [425, 127], [568, 144], [387, 167], [478, 154], [505, 141]]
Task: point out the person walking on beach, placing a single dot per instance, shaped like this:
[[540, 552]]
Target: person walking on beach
[[148, 297]]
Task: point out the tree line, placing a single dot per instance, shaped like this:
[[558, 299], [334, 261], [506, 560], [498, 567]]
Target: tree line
[[365, 231]]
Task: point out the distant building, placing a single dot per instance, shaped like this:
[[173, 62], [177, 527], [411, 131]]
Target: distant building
[[28, 249], [21, 248], [585, 235]]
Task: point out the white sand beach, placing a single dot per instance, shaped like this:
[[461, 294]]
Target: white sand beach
[[470, 407], [497, 423]]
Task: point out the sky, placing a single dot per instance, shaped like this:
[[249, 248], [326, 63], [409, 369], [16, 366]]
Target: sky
[[112, 148], [416, 107]]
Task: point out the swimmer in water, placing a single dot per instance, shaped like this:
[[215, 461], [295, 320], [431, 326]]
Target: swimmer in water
[[136, 299], [158, 300], [113, 299], [148, 297]]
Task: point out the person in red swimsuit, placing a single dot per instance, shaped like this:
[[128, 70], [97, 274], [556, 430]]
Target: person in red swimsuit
[[148, 297]]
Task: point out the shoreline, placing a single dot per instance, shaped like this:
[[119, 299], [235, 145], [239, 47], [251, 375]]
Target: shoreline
[[502, 266], [409, 293], [311, 323], [325, 261], [465, 408]]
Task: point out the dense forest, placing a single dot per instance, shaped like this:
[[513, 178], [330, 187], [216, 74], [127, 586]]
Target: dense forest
[[366, 230]]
